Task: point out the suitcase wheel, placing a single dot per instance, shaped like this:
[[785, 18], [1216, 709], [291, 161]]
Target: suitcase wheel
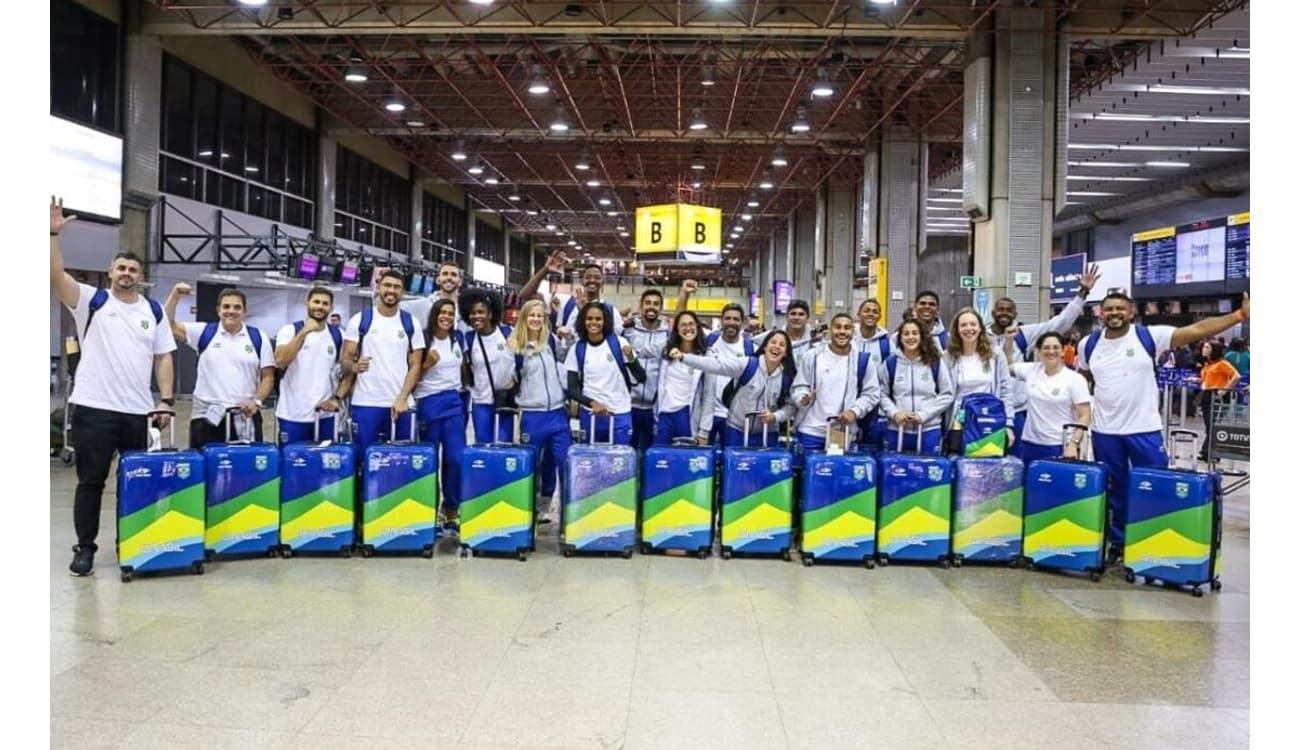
[[785, 555], [627, 553], [286, 552], [522, 555], [567, 552], [464, 552], [197, 568], [726, 553], [273, 552], [945, 563], [427, 551], [1129, 576], [871, 564], [1216, 585], [67, 456], [956, 561], [367, 550], [884, 561], [345, 552], [1094, 576], [1196, 592], [208, 555], [127, 576], [807, 560], [702, 553], [646, 548]]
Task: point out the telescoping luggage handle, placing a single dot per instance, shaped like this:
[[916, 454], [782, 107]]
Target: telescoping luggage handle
[[321, 414], [392, 430], [171, 429], [684, 442], [1179, 439], [496, 425], [1085, 445], [845, 427], [749, 416], [591, 433], [920, 430], [231, 413]]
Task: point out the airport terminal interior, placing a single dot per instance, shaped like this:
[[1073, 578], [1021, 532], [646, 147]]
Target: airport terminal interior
[[794, 159]]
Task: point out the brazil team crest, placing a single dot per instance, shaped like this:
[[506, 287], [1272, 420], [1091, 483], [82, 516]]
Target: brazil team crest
[[935, 473], [1080, 481], [1181, 489], [417, 462], [183, 471], [512, 464], [259, 462], [859, 473]]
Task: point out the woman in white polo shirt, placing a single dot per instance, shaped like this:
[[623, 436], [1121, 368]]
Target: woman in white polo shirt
[[438, 401], [1057, 396], [602, 368], [236, 367]]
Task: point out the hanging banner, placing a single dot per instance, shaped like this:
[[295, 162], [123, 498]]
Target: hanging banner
[[678, 233]]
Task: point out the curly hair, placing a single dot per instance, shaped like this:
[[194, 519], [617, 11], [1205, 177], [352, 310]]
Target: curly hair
[[431, 326], [471, 297], [929, 352], [983, 344], [581, 324]]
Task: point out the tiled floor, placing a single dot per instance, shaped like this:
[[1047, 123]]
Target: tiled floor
[[643, 653]]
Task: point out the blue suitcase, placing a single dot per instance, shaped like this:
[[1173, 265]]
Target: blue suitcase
[[677, 500], [915, 516], [496, 489], [838, 508], [160, 511], [318, 496], [598, 513], [1065, 515], [1174, 528], [988, 509], [757, 505], [399, 496], [243, 496]]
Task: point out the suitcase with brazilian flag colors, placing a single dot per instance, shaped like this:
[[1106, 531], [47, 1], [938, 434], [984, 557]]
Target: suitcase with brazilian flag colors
[[677, 504], [243, 494], [914, 522], [988, 508], [399, 496], [837, 507], [600, 497], [160, 509], [496, 490], [1175, 522], [1065, 512], [757, 499], [317, 494]]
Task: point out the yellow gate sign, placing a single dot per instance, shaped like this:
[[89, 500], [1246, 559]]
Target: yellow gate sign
[[678, 233]]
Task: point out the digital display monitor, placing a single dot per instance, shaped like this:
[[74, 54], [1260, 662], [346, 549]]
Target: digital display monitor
[[428, 286], [783, 294], [415, 284], [85, 169], [1206, 257], [308, 266], [1237, 252], [328, 269], [349, 272]]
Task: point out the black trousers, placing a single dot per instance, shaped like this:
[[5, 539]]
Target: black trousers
[[203, 432], [98, 434]]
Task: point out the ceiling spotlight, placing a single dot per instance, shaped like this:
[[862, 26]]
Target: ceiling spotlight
[[623, 233], [593, 183], [778, 158], [573, 243], [698, 122], [752, 203], [801, 124], [355, 73], [395, 105], [605, 201], [766, 184], [476, 169], [706, 76], [253, 3], [583, 163], [538, 85], [480, 2], [577, 247], [491, 180], [746, 217], [822, 88], [458, 152], [611, 213], [561, 122], [531, 211], [515, 197], [414, 123], [621, 227], [696, 185], [698, 165]]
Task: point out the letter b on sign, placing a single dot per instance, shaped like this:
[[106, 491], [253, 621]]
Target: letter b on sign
[[656, 233], [699, 233]]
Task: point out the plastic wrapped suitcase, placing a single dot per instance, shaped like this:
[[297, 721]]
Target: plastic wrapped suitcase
[[600, 493], [914, 522], [317, 495], [1175, 521], [677, 499], [1065, 513], [988, 510], [496, 490], [757, 502], [243, 495], [160, 509], [399, 496], [837, 508]]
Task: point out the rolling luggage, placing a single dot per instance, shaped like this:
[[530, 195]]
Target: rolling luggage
[[837, 508], [243, 495], [317, 495], [915, 516], [677, 499], [1175, 522], [1065, 513], [160, 509], [599, 501], [757, 501], [496, 489], [399, 496], [988, 509]]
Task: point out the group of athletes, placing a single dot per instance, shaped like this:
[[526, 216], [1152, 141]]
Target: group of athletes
[[440, 364]]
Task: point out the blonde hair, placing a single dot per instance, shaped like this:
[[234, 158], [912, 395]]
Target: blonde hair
[[518, 341], [983, 344]]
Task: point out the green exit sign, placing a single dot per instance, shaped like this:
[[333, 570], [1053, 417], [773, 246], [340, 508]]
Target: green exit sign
[[971, 282]]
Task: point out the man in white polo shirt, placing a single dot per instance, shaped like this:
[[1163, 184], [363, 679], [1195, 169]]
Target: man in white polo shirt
[[307, 351], [1126, 425], [382, 347], [111, 394], [236, 368]]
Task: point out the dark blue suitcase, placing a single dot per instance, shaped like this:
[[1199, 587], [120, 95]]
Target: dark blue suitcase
[[915, 517], [598, 513], [160, 498], [497, 514], [757, 505], [1065, 515], [1174, 528], [399, 496], [318, 496], [677, 499], [988, 509], [243, 496]]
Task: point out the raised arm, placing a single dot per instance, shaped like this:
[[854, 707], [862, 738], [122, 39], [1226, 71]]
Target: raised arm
[[63, 285], [554, 264], [178, 329], [684, 292], [731, 367], [1204, 329]]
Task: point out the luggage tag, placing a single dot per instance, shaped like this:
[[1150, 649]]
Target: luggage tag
[[836, 440], [215, 415]]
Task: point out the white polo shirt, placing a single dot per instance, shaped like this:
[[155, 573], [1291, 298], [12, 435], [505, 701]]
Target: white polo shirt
[[387, 346], [229, 369], [445, 374], [1125, 400], [420, 309], [499, 357], [117, 353], [602, 380], [1051, 401], [310, 377], [574, 324]]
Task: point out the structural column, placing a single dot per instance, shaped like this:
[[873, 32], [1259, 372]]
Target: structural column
[[838, 209], [1014, 161], [417, 213], [142, 123], [899, 220], [327, 152], [804, 231], [782, 248]]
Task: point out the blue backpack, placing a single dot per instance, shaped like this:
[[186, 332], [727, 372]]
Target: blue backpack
[[1143, 335], [891, 365], [335, 334], [210, 331], [570, 305], [746, 341], [100, 298], [368, 318], [581, 353], [983, 426], [751, 369]]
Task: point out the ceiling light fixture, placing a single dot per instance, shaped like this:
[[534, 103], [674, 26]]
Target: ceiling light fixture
[[458, 152], [766, 184], [1168, 164], [822, 88], [515, 197], [561, 122], [800, 124], [414, 123], [355, 74], [706, 76], [492, 180], [395, 105], [746, 217], [593, 183], [605, 202], [778, 157], [698, 122], [476, 169], [752, 204], [583, 163]]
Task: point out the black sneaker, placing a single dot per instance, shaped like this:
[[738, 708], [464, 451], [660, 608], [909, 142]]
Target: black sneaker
[[83, 561]]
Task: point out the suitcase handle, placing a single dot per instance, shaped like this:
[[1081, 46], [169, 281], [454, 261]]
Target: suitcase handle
[[837, 422], [1175, 442], [496, 426], [591, 433], [320, 414], [231, 413], [683, 442], [748, 417], [1085, 445], [171, 427], [920, 431], [392, 430]]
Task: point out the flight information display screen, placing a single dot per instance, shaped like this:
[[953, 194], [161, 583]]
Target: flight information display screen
[[1206, 257]]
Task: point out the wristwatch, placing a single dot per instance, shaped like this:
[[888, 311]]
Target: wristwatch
[[257, 402], [168, 401]]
